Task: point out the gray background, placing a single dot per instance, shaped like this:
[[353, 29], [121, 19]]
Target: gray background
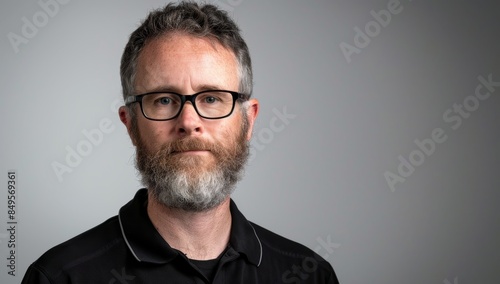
[[317, 178]]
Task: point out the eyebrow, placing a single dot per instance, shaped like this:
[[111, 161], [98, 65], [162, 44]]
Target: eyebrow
[[170, 88]]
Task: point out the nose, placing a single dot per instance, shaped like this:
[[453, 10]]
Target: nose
[[188, 122]]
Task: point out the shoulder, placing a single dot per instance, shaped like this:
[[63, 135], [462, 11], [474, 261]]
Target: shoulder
[[93, 244]]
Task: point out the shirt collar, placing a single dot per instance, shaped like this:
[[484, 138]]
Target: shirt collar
[[244, 238], [142, 238], [147, 245]]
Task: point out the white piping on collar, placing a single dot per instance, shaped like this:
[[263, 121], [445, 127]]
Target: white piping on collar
[[260, 244], [125, 238]]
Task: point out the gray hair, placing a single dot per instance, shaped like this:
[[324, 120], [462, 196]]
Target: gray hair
[[187, 17]]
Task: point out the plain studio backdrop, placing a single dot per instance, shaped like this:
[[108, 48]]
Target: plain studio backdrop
[[376, 144]]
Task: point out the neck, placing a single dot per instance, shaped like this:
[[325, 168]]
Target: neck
[[199, 235]]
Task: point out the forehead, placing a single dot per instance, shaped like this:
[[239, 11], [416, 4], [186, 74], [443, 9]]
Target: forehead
[[183, 62]]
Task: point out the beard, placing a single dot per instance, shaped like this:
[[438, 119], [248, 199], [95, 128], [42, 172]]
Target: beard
[[193, 182]]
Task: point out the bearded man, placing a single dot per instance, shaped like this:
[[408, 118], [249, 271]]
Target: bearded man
[[187, 84]]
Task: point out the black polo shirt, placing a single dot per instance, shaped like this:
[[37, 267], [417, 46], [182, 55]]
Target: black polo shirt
[[128, 249]]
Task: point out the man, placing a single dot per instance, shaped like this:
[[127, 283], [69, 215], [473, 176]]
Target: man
[[187, 85]]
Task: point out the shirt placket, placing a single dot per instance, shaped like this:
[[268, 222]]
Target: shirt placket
[[228, 256]]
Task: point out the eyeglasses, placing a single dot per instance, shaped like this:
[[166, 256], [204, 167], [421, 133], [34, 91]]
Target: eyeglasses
[[210, 104]]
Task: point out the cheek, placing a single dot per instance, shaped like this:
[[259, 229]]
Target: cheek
[[152, 134], [228, 131]]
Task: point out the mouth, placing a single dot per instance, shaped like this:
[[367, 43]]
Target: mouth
[[191, 152]]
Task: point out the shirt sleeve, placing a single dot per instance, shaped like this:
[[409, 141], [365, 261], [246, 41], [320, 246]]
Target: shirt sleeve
[[333, 279], [35, 276]]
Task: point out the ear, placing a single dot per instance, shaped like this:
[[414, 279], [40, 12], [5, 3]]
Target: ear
[[126, 119], [252, 112]]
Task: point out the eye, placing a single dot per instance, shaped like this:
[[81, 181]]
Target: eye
[[210, 99], [164, 100]]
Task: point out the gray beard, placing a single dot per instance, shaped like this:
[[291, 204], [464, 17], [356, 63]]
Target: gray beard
[[198, 193], [179, 181]]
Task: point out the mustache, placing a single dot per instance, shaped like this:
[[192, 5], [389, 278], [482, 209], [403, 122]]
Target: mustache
[[188, 144]]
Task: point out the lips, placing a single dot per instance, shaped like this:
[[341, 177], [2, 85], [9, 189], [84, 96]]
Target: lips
[[188, 151]]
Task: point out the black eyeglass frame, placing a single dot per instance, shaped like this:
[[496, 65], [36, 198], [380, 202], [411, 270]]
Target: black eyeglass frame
[[184, 98]]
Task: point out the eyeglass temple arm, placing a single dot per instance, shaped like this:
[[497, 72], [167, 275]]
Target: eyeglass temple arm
[[130, 99]]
